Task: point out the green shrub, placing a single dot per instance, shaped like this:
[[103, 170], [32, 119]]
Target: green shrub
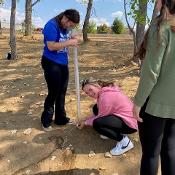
[[117, 26], [103, 29], [92, 28]]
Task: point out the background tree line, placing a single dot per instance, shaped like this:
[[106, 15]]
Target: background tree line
[[116, 28], [135, 9]]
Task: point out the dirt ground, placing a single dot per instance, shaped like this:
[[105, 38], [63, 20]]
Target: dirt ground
[[24, 147]]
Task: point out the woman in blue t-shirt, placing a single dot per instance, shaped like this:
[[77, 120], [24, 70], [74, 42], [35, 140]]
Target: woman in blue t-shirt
[[55, 65]]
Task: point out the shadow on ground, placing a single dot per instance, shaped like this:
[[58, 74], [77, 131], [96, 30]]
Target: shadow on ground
[[72, 172]]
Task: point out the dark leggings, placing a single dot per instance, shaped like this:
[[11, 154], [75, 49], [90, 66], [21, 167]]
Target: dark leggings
[[111, 126], [157, 136], [56, 76]]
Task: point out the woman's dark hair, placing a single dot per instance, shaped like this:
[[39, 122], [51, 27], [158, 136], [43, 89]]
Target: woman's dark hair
[[72, 14], [167, 6], [96, 83]]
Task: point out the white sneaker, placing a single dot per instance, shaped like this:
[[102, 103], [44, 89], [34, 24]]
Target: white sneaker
[[71, 122], [121, 147], [104, 137], [47, 128]]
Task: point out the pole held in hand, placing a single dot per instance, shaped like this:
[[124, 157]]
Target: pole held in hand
[[77, 82]]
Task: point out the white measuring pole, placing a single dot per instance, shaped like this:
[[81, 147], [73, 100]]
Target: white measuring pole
[[76, 70], [77, 82]]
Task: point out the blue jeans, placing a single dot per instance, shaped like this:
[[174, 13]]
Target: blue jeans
[[56, 76]]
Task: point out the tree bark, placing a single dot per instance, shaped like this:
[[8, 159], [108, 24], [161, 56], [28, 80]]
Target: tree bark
[[131, 29], [28, 17], [86, 21], [0, 29], [1, 2], [12, 30], [140, 29]]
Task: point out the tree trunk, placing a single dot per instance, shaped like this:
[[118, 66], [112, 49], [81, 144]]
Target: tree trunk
[[140, 29], [1, 2], [131, 29], [154, 13], [0, 29], [28, 17], [86, 21], [12, 30]]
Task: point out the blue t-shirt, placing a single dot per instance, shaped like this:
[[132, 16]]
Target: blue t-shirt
[[52, 32]]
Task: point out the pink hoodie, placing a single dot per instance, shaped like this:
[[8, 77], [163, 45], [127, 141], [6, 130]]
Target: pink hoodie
[[111, 100]]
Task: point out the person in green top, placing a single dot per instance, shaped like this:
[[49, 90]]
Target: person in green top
[[154, 102]]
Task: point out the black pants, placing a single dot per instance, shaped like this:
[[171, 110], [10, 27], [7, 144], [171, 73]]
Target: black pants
[[111, 126], [56, 76], [157, 136]]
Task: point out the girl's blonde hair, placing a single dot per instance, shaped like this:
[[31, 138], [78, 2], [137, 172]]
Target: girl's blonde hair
[[98, 83]]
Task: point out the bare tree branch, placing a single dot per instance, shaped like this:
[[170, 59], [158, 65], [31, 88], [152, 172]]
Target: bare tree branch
[[35, 2], [94, 12], [126, 17], [131, 29]]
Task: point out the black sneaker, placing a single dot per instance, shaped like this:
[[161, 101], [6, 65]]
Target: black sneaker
[[63, 121]]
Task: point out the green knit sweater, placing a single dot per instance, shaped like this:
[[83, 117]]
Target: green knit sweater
[[157, 79]]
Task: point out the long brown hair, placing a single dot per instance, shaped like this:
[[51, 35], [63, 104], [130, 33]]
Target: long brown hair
[[167, 6], [98, 83]]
